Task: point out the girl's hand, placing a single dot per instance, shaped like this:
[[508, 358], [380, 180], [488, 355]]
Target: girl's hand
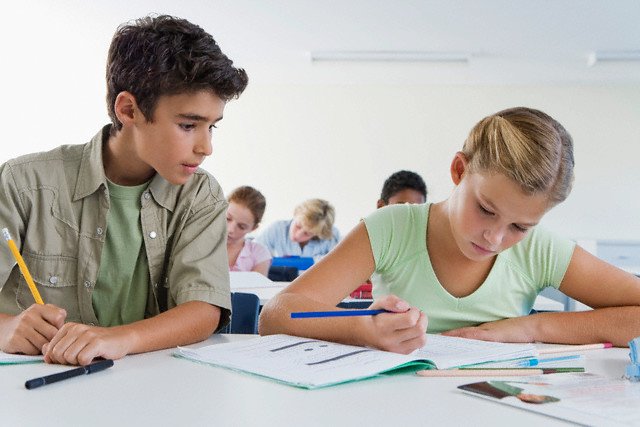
[[401, 331], [517, 329]]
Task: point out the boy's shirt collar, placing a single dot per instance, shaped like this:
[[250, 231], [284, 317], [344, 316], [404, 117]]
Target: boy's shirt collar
[[91, 176]]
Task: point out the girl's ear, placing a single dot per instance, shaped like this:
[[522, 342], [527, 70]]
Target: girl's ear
[[126, 108], [458, 167]]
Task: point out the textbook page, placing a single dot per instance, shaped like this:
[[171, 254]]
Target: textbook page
[[582, 398], [452, 352], [310, 363], [13, 359]]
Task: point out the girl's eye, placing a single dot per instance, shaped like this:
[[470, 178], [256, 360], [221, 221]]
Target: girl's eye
[[485, 211], [520, 228]]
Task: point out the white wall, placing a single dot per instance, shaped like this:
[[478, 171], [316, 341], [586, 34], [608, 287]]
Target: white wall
[[332, 141]]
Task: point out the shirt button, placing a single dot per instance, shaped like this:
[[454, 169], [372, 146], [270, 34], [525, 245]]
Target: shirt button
[[99, 231], [153, 235], [147, 195], [53, 280], [87, 284]]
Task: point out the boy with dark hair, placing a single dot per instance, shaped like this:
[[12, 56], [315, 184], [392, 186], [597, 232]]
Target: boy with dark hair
[[403, 187], [125, 236]]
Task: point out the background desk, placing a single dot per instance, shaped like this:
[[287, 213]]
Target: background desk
[[160, 390], [265, 293]]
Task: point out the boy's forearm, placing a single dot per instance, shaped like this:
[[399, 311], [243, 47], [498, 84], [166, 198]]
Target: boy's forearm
[[184, 324], [617, 325]]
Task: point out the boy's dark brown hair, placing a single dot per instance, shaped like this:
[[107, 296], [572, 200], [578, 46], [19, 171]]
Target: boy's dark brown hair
[[402, 180], [163, 55]]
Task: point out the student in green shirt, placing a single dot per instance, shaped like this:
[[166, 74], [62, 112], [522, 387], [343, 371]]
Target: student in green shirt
[[125, 236], [473, 264]]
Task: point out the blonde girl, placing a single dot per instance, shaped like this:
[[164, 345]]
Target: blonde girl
[[471, 265]]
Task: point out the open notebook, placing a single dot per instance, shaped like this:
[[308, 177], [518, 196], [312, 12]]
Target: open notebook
[[14, 359], [309, 363]]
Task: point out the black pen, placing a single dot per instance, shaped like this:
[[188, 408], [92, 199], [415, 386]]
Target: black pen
[[75, 372]]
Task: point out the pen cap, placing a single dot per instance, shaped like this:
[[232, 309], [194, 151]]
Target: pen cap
[[36, 382]]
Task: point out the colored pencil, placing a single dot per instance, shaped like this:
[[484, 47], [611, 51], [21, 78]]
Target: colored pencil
[[571, 348], [336, 313], [494, 372]]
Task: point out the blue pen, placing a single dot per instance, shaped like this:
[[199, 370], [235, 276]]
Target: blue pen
[[337, 313], [536, 362]]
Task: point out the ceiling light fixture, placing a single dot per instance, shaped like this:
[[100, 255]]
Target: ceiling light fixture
[[389, 56], [612, 56]]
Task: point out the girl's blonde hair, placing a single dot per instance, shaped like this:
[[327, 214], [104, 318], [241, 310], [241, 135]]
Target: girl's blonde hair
[[252, 199], [528, 146], [317, 216]]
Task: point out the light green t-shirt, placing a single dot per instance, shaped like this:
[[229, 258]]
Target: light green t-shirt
[[403, 268], [122, 286]]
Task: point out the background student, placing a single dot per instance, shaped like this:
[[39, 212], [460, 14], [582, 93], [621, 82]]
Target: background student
[[473, 263], [125, 235], [310, 233], [403, 187], [245, 211]]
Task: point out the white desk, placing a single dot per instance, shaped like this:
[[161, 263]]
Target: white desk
[[160, 390], [265, 293]]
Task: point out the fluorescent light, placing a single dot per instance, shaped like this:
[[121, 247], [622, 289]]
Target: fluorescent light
[[389, 56], [612, 56]]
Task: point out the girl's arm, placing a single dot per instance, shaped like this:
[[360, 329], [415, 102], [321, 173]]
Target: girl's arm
[[329, 281], [613, 293], [263, 267]]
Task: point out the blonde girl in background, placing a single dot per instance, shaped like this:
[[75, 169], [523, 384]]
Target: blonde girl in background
[[471, 265], [245, 211]]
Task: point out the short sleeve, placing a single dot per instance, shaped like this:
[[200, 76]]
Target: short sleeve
[[260, 252]]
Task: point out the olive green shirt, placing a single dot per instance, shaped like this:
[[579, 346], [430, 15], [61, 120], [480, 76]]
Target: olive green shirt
[[55, 205], [120, 294]]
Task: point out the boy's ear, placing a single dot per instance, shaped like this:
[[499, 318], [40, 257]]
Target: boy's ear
[[126, 108], [458, 167]]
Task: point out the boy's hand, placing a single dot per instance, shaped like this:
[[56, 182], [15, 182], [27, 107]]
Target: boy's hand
[[402, 331], [78, 344], [30, 330], [517, 329]]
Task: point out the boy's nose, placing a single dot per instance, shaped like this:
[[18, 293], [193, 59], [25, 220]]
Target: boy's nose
[[204, 145]]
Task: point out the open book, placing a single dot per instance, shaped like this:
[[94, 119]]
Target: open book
[[14, 359], [309, 363], [582, 398]]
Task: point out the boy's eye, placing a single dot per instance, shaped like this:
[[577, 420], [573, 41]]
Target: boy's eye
[[187, 126], [212, 127]]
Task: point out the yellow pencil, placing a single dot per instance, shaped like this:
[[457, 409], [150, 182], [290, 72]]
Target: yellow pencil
[[23, 267]]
